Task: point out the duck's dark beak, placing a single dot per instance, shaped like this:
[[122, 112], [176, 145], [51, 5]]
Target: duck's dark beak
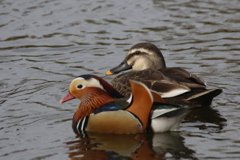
[[121, 67]]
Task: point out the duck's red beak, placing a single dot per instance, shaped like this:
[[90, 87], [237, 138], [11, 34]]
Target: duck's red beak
[[68, 97]]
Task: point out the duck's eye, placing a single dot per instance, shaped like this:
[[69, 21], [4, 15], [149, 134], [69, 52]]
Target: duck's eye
[[79, 86], [137, 52]]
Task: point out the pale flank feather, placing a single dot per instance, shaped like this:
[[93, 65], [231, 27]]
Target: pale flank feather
[[173, 93], [159, 112]]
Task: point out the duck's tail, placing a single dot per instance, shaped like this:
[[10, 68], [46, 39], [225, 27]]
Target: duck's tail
[[204, 98]]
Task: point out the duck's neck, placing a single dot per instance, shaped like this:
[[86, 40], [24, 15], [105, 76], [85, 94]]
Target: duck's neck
[[90, 101], [110, 90]]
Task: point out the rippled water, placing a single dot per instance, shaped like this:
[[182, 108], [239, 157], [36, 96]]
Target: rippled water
[[45, 44]]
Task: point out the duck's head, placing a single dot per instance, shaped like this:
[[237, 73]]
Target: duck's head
[[140, 56], [82, 83]]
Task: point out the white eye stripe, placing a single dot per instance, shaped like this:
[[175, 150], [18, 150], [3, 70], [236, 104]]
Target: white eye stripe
[[141, 50], [81, 83]]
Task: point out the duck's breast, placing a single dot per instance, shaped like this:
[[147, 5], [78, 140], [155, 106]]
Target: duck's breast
[[120, 122]]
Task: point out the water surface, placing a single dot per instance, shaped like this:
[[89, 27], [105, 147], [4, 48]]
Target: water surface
[[45, 44]]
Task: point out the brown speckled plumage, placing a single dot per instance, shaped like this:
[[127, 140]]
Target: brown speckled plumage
[[159, 78]]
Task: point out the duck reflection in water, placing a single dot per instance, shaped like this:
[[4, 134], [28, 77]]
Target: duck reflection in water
[[133, 146], [149, 146], [206, 115]]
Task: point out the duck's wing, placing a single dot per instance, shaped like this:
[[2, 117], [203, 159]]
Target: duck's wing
[[167, 110], [118, 104], [153, 79], [183, 77]]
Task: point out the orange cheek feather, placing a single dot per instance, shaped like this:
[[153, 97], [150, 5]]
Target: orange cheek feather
[[68, 97]]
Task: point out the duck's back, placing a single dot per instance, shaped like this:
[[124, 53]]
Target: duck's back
[[176, 85]]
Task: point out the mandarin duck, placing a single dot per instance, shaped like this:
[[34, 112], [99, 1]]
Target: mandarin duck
[[175, 85], [101, 110]]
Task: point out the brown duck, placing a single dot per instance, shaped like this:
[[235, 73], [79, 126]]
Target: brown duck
[[175, 85]]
